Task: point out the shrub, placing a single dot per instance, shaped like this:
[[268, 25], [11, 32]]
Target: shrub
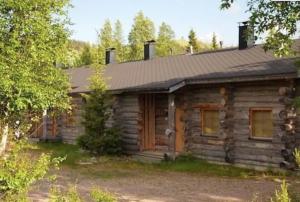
[[98, 138], [107, 143], [56, 195], [297, 156], [102, 196], [19, 170], [282, 195]]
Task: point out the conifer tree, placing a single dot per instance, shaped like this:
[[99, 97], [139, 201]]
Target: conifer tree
[[214, 44], [98, 138], [193, 41]]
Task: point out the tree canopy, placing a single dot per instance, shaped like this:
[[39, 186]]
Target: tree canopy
[[33, 41], [165, 40], [142, 30], [278, 19], [193, 41]]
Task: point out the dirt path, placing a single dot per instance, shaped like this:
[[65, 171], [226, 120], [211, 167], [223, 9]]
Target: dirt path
[[164, 187]]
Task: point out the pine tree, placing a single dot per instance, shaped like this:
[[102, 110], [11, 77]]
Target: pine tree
[[193, 41], [105, 40], [98, 138], [214, 44], [165, 40], [142, 30]]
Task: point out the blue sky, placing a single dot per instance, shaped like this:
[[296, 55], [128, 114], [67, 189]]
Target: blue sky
[[204, 16]]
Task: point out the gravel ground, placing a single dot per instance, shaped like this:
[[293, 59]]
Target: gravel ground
[[163, 187]]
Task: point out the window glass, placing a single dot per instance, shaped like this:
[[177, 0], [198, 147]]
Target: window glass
[[262, 123], [210, 122]]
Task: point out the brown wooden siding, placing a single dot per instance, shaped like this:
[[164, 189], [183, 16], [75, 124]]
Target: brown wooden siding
[[210, 148]]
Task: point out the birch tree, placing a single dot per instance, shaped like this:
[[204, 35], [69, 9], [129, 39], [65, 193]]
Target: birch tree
[[33, 38]]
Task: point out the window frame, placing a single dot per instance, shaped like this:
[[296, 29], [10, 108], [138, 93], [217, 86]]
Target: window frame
[[251, 135], [202, 111]]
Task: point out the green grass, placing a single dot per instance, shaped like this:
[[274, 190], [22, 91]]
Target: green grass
[[108, 167], [191, 164], [72, 153]]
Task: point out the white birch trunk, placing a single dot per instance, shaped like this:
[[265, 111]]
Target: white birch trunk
[[4, 140]]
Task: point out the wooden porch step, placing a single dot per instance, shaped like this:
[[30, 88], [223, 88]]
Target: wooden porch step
[[149, 156]]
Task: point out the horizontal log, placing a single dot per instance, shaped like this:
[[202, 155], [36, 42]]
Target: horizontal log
[[285, 91], [259, 158], [255, 164]]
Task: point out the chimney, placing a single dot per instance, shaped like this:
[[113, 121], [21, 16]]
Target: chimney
[[246, 36], [149, 50], [221, 44], [110, 56]]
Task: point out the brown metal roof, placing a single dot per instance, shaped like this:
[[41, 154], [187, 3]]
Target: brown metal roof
[[163, 73]]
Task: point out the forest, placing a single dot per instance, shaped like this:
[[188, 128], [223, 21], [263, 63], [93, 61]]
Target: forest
[[111, 35]]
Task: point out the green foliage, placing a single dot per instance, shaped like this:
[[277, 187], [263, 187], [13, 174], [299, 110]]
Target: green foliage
[[106, 41], [165, 40], [118, 40], [214, 43], [80, 53], [193, 41], [282, 195], [72, 195], [297, 156], [57, 195], [19, 170], [142, 30], [72, 153], [98, 138], [277, 18], [86, 55], [101, 196], [33, 38]]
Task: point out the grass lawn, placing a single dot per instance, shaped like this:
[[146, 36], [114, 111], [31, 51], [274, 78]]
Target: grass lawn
[[108, 166]]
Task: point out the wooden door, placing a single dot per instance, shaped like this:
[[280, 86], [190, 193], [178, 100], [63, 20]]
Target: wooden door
[[179, 139], [148, 123]]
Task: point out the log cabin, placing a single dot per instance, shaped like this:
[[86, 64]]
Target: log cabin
[[232, 106]]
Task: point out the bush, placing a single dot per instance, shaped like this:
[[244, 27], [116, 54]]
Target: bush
[[19, 170], [56, 195], [108, 143], [282, 195], [72, 195], [98, 138], [101, 196], [297, 156]]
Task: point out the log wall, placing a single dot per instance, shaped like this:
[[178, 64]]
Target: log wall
[[128, 118], [70, 124], [233, 143], [249, 151], [210, 148]]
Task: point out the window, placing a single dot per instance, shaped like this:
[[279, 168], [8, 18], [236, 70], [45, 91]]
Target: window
[[261, 123], [210, 122]]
